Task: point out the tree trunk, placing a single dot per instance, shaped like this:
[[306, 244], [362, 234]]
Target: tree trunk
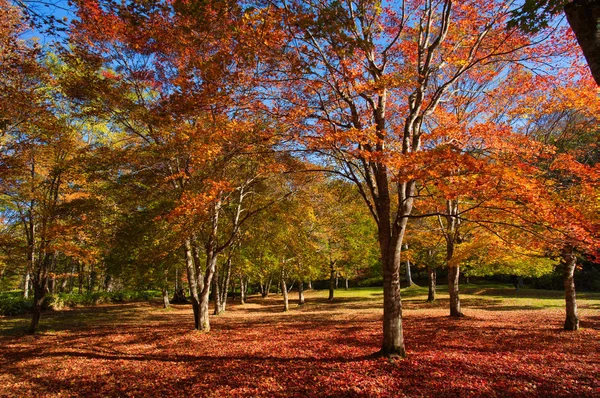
[[242, 290], [570, 260], [284, 292], [216, 293], [300, 293], [26, 285], [165, 295], [92, 280], [393, 337], [40, 279], [408, 274], [39, 295], [190, 263], [211, 265], [432, 284], [108, 283], [332, 279], [346, 281], [65, 281], [226, 277], [453, 279], [584, 17], [81, 276], [72, 276], [310, 284]]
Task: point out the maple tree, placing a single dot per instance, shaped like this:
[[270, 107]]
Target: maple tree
[[371, 77]]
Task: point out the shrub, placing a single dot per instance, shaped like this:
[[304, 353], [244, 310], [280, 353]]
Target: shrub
[[13, 303], [376, 281]]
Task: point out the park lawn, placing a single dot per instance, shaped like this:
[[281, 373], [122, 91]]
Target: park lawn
[[508, 344]]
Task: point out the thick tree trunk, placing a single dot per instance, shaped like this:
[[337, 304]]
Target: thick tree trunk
[[310, 284], [346, 283], [569, 262], [332, 279], [584, 18], [39, 295], [190, 263], [393, 337], [40, 279], [211, 264], [390, 236], [453, 287], [284, 292], [432, 284], [108, 283], [300, 292]]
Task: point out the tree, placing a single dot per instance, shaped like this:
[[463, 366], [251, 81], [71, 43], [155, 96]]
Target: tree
[[369, 77]]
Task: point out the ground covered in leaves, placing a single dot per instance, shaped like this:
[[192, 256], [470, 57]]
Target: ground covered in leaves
[[507, 345]]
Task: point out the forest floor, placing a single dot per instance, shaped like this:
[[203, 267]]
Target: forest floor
[[508, 344]]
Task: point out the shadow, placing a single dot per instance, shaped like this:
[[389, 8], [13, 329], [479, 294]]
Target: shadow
[[321, 349]]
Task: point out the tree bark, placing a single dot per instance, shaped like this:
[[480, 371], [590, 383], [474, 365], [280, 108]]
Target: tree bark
[[332, 279], [40, 279], [408, 274], [225, 285], [81, 276], [300, 292], [310, 284], [211, 264], [432, 284], [284, 292], [242, 290], [453, 279], [346, 283], [216, 293], [569, 263], [26, 285], [190, 263], [584, 18], [165, 295]]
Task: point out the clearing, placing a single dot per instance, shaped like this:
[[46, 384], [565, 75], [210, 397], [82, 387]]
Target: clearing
[[509, 344]]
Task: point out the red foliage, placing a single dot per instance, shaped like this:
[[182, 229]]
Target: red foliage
[[140, 350]]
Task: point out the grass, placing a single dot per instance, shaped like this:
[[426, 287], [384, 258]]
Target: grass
[[509, 344]]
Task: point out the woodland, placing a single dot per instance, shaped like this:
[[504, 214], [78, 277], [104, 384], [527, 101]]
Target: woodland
[[171, 172]]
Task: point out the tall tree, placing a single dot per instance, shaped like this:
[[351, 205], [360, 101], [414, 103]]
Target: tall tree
[[369, 77]]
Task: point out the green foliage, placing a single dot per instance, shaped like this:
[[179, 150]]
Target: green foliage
[[13, 303], [375, 281], [62, 300], [535, 15]]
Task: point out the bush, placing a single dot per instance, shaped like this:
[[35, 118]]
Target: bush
[[13, 303], [376, 281]]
